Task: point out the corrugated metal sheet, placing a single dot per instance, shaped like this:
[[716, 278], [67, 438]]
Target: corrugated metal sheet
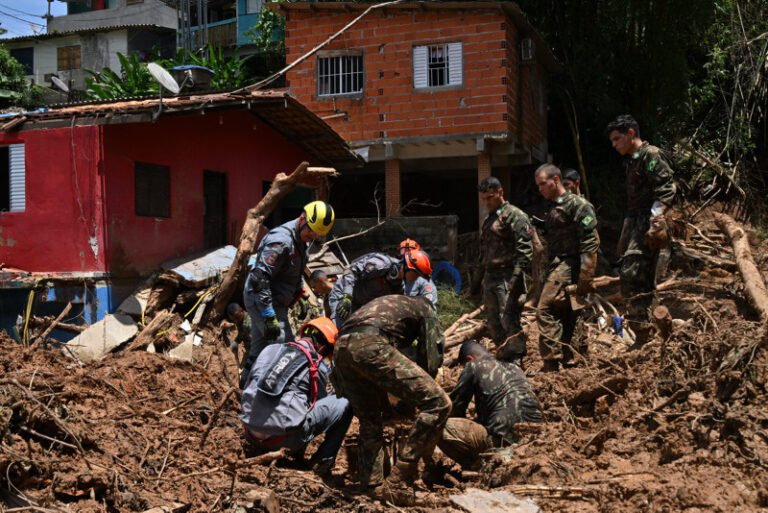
[[17, 165]]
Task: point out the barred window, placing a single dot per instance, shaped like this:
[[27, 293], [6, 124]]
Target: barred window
[[339, 74], [437, 65]]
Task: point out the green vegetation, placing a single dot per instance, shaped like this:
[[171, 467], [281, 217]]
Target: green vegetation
[[14, 89], [451, 305]]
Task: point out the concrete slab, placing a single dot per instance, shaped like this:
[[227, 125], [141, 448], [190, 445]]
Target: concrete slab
[[499, 501], [184, 350], [202, 269], [102, 337]]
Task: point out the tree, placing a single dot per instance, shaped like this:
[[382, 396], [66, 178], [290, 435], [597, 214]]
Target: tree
[[14, 90]]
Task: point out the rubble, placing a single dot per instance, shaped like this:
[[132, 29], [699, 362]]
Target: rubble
[[677, 424]]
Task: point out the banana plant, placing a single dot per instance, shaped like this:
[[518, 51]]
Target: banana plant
[[134, 80]]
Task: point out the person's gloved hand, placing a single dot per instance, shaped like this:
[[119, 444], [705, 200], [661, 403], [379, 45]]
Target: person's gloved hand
[[271, 328], [303, 305], [656, 237], [344, 307]]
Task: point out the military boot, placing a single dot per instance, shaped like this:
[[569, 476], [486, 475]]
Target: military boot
[[396, 488]]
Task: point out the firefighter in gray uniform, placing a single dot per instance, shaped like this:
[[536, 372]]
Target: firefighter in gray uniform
[[374, 275], [423, 287], [274, 283]]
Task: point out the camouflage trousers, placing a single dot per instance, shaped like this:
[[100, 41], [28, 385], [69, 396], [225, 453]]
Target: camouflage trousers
[[553, 313], [463, 441], [367, 368], [637, 272], [501, 290]]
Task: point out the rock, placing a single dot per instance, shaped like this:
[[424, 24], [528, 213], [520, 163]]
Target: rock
[[499, 501], [258, 500]]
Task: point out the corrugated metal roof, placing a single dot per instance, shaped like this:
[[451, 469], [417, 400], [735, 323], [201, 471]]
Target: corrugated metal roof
[[511, 8], [91, 30], [276, 108]]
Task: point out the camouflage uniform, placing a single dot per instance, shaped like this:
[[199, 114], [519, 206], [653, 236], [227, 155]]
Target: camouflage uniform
[[367, 277], [422, 287], [502, 396], [505, 254], [571, 230], [369, 365], [649, 179]]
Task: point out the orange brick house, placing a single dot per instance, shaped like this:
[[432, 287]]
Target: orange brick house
[[435, 96]]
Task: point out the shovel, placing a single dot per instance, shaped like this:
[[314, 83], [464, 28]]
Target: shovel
[[578, 302]]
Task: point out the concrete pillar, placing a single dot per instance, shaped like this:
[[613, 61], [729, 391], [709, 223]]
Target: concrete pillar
[[483, 172], [392, 187]]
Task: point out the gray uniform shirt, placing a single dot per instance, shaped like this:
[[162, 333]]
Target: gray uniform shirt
[[422, 287], [275, 279], [278, 410], [367, 277]]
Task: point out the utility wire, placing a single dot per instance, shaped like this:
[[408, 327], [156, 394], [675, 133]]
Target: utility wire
[[22, 12], [21, 19]]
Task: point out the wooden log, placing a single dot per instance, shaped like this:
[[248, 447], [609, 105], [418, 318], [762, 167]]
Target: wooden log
[[162, 321], [663, 320], [63, 326], [281, 186], [614, 385], [460, 338], [753, 280], [461, 320], [692, 254]]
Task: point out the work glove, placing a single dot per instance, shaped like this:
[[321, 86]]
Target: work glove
[[656, 237], [271, 328], [586, 273], [344, 307], [302, 303]]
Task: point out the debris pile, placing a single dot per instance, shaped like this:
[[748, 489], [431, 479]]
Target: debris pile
[[679, 423]]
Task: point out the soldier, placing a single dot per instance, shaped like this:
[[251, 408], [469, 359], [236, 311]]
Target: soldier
[[572, 181], [505, 254], [421, 286], [274, 283], [374, 275], [571, 230], [503, 397], [369, 365], [286, 404], [650, 192]]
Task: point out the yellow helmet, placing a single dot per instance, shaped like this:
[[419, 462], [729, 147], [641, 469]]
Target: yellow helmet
[[319, 215]]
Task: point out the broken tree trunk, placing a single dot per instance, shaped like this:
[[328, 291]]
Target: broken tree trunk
[[461, 320], [162, 321], [753, 281], [281, 186], [459, 338]]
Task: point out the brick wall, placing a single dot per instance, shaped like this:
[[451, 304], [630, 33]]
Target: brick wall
[[389, 106]]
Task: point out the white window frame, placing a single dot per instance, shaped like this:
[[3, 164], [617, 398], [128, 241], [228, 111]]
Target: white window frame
[[345, 71], [424, 55]]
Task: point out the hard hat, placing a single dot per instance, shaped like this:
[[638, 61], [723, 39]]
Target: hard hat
[[417, 260], [319, 215], [323, 325], [408, 245]]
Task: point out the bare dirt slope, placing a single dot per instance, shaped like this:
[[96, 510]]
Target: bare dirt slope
[[679, 424]]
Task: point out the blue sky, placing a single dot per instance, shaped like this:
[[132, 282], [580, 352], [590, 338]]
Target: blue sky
[[16, 15]]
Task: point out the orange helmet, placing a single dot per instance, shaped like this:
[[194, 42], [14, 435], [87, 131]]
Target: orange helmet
[[408, 245], [417, 260], [322, 325]]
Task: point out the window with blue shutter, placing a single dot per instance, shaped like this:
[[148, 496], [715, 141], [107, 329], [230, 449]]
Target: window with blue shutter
[[12, 178]]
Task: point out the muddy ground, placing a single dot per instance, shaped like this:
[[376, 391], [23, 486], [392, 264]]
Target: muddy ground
[[680, 424]]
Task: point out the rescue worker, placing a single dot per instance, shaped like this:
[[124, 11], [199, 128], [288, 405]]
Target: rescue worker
[[369, 365], [321, 286], [275, 281], [285, 403], [650, 192], [374, 275], [503, 397], [572, 181], [571, 232], [505, 255], [421, 286]]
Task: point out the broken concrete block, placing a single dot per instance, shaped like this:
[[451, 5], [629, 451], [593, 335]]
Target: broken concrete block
[[184, 350], [102, 337], [136, 303], [258, 500], [498, 501], [201, 270]]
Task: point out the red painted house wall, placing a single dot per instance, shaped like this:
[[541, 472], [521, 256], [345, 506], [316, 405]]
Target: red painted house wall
[[390, 108], [61, 229], [232, 142]]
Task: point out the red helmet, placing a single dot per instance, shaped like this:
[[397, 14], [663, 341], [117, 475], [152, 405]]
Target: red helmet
[[417, 260], [408, 245]]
